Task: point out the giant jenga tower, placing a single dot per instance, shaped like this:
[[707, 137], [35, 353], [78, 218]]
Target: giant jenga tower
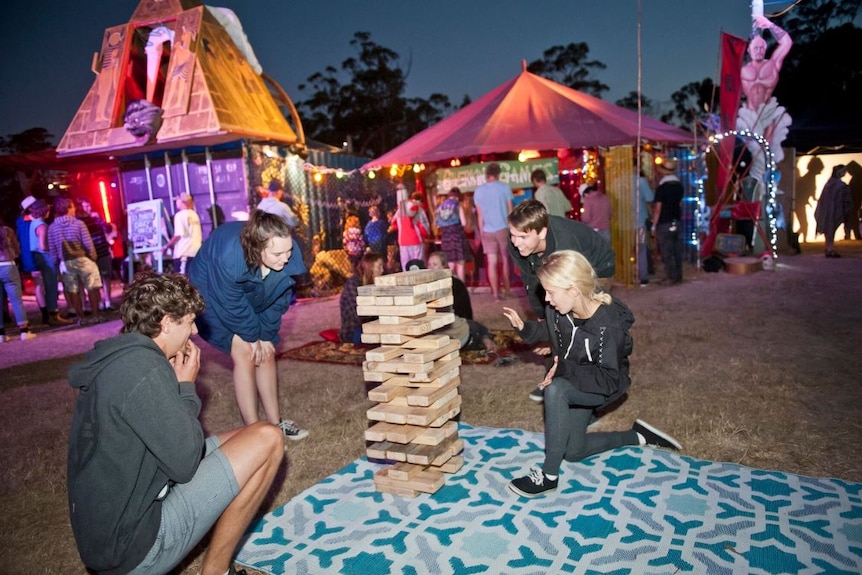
[[419, 377]]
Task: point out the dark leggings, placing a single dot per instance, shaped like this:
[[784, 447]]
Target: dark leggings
[[568, 411]]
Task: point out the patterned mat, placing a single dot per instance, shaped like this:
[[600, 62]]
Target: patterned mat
[[628, 511], [509, 345]]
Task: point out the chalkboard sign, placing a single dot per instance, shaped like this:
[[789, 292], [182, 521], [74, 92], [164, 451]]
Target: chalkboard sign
[[146, 226]]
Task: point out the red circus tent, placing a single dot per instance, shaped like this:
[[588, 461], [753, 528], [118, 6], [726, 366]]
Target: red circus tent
[[529, 113]]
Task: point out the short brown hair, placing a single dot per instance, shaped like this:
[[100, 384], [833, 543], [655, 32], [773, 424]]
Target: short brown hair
[[365, 267], [152, 297], [256, 233], [529, 215], [538, 175], [61, 206], [493, 170]]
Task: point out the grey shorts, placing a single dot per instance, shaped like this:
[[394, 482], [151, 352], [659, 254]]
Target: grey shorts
[[190, 510]]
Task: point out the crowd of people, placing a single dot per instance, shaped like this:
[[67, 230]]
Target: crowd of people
[[145, 484]]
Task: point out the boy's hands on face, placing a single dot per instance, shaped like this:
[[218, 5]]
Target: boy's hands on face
[[187, 362]]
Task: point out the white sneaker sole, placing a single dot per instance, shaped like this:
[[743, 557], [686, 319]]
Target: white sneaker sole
[[667, 437]]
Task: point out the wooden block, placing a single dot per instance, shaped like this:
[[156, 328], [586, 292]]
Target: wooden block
[[377, 376], [398, 366], [377, 432], [399, 310], [392, 291], [428, 415], [421, 297], [440, 368], [442, 302], [394, 338], [386, 393], [424, 356], [435, 435], [446, 417], [425, 396], [404, 471], [426, 481], [365, 300], [378, 450], [433, 341], [412, 278], [397, 319], [427, 454], [403, 433], [381, 300], [372, 338], [395, 489], [393, 413], [384, 353], [454, 464]]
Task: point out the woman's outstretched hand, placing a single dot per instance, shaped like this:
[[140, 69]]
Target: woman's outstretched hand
[[513, 318]]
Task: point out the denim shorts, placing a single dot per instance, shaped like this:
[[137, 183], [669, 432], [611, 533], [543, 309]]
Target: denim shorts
[[190, 510]]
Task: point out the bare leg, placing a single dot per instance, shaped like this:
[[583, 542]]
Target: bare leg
[[40, 288], [493, 278], [507, 289], [244, 380], [458, 269], [74, 299], [266, 377], [255, 454], [95, 295]]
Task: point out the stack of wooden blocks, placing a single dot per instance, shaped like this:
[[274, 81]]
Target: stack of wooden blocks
[[418, 375]]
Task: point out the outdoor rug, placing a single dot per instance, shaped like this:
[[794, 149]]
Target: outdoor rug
[[631, 510], [509, 345]]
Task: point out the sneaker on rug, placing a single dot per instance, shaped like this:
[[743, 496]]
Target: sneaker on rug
[[538, 395], [654, 436], [534, 484], [292, 431]]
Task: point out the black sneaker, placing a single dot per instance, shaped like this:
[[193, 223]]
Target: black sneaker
[[655, 436], [534, 484], [292, 431], [538, 395]]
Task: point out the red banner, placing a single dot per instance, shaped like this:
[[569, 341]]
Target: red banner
[[732, 53]]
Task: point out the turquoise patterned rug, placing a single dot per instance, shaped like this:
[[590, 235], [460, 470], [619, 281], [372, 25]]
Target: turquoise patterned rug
[[632, 510]]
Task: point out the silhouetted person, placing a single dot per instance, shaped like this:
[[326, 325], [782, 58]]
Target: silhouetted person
[[851, 222], [806, 189], [832, 208]]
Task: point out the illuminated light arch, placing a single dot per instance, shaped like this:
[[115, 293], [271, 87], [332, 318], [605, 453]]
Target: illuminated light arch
[[769, 177]]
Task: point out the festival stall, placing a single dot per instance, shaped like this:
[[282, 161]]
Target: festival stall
[[181, 105]]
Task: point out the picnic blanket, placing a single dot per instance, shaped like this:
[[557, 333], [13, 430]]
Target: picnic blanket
[[631, 510]]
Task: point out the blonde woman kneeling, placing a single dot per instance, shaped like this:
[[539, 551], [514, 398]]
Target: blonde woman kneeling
[[589, 333]]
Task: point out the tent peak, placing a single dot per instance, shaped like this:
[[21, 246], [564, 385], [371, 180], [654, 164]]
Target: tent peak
[[523, 65]]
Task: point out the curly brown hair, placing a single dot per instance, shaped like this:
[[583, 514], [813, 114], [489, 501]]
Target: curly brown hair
[[152, 297], [256, 233]]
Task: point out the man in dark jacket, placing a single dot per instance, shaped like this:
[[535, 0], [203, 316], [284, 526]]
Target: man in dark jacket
[[144, 484], [534, 234]]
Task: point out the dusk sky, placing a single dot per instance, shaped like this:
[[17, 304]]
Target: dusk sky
[[453, 47]]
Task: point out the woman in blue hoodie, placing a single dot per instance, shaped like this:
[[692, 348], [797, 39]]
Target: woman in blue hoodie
[[589, 335], [244, 271]]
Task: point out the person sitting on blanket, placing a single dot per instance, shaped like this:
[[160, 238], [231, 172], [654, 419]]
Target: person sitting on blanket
[[144, 482], [476, 336], [591, 344], [370, 267]]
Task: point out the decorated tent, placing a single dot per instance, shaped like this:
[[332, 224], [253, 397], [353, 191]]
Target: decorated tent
[[529, 113], [177, 74]]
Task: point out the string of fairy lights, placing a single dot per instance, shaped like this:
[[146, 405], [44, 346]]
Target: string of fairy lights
[[771, 190]]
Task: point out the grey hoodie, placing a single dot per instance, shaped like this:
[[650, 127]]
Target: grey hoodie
[[134, 430]]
